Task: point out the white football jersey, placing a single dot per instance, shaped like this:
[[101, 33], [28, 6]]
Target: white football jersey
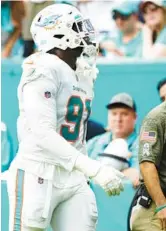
[[54, 107]]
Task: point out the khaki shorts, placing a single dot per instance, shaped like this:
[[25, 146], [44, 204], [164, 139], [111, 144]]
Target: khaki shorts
[[143, 219], [32, 9]]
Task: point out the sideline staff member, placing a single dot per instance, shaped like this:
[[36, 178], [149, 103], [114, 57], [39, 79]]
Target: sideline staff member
[[149, 213]]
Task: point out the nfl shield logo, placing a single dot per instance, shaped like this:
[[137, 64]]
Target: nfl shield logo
[[47, 94], [40, 180]]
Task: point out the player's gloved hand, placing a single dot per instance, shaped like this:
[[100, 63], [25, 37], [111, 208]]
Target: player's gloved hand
[[110, 180], [107, 177]]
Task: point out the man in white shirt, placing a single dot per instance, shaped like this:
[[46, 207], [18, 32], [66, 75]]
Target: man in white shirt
[[47, 181]]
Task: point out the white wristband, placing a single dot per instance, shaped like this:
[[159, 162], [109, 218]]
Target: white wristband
[[88, 166]]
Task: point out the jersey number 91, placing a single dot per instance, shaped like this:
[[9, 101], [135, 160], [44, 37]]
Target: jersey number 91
[[74, 116]]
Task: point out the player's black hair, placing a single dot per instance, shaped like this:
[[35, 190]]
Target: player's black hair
[[161, 83]]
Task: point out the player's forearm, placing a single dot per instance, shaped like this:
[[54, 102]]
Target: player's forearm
[[151, 179], [57, 148], [64, 154]]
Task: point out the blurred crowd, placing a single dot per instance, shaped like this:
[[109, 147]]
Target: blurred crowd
[[125, 28]]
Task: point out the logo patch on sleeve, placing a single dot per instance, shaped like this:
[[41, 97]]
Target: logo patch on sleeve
[[40, 180], [47, 94], [148, 136], [146, 149]]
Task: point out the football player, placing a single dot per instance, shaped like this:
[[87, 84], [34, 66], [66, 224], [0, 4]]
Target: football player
[[47, 183]]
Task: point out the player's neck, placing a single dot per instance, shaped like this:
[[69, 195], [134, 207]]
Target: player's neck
[[70, 61]]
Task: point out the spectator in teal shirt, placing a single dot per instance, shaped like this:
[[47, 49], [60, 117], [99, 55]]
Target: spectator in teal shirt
[[121, 124], [128, 39], [154, 30]]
